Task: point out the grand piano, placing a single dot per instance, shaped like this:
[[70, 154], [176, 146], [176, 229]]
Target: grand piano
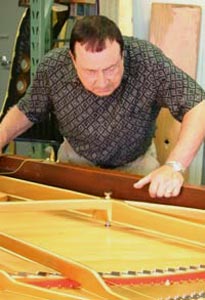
[[70, 232]]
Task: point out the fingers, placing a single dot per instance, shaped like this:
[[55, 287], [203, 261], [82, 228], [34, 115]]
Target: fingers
[[164, 186], [156, 189], [142, 182], [164, 182]]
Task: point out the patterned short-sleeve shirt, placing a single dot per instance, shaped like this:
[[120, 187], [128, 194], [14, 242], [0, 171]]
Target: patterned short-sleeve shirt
[[116, 129]]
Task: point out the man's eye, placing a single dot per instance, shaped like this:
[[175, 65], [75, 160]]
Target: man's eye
[[91, 72], [110, 70]]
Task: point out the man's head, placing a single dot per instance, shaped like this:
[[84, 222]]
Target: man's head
[[96, 48]]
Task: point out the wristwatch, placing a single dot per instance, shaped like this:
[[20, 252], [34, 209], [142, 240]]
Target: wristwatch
[[176, 165]]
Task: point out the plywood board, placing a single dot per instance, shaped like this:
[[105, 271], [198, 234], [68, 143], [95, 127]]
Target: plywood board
[[175, 29]]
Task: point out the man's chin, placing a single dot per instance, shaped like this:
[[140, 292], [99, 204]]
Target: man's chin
[[103, 93]]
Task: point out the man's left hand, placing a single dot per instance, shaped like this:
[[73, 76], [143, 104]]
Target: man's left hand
[[164, 182]]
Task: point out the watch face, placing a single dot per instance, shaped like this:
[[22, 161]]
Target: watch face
[[177, 166]]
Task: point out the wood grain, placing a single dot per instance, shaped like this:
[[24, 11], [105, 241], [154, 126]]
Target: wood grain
[[175, 29], [94, 181]]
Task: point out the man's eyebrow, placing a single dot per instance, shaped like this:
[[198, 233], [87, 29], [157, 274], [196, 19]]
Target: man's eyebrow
[[113, 65], [87, 69]]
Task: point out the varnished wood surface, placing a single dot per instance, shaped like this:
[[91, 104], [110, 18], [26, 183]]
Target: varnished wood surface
[[138, 239], [66, 268], [27, 192], [94, 181], [118, 248], [17, 189]]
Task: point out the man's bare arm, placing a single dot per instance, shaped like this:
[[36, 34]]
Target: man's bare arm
[[14, 123], [165, 181]]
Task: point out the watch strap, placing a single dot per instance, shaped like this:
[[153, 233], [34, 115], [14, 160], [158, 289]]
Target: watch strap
[[176, 165]]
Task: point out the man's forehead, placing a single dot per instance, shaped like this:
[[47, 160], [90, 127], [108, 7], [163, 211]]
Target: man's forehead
[[98, 60], [93, 48]]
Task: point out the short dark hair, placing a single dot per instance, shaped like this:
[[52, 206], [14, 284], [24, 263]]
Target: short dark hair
[[94, 31]]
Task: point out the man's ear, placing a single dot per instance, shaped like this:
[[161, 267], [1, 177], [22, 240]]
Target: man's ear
[[72, 57]]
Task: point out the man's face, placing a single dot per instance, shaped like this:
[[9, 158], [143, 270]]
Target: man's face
[[100, 72]]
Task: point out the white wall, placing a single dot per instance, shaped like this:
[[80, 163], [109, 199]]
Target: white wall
[[121, 12], [110, 8], [126, 17]]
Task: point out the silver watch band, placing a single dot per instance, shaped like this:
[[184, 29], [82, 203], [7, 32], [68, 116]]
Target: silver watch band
[[176, 165]]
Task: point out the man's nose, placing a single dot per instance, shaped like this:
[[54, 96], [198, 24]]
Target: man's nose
[[101, 80]]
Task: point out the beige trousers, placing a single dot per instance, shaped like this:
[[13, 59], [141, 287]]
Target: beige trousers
[[143, 165]]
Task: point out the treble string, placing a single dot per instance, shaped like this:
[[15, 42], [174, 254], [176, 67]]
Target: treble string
[[94, 294], [131, 291]]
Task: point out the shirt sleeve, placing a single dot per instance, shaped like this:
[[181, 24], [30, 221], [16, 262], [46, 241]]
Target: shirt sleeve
[[177, 91], [35, 104]]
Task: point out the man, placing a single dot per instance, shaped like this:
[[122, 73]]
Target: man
[[106, 93]]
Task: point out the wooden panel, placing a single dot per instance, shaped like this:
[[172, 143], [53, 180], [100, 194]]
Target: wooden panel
[[56, 236], [79, 247], [25, 190], [94, 181], [3, 197], [175, 29]]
